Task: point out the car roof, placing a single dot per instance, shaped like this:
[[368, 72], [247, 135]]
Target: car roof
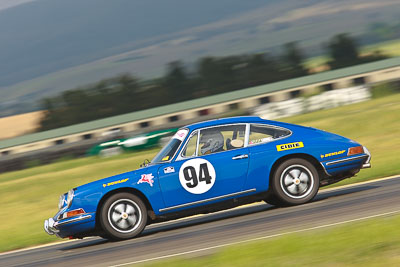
[[242, 119]]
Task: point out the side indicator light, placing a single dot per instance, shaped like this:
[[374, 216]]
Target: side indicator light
[[73, 213], [355, 150]]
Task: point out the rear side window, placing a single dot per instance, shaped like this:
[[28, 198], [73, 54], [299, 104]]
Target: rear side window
[[260, 134]]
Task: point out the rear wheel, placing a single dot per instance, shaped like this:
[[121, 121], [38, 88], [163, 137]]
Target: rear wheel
[[296, 181], [123, 216]]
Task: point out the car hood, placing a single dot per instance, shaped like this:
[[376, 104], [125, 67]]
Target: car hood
[[128, 178]]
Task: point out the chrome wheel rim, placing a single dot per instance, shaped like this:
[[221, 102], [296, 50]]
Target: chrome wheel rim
[[297, 181], [124, 215]]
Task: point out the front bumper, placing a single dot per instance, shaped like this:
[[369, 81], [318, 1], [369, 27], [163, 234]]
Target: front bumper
[[367, 163], [49, 226], [68, 226]]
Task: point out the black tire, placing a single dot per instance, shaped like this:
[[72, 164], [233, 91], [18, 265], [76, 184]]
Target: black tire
[[273, 200], [295, 182], [123, 216]]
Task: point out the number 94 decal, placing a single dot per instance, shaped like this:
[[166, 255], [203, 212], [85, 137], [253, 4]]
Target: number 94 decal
[[197, 176]]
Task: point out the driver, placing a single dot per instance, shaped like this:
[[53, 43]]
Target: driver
[[211, 141]]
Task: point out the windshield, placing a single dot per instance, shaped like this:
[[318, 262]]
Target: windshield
[[168, 151]]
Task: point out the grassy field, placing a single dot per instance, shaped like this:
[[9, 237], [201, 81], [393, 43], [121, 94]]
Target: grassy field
[[370, 243], [390, 48], [29, 196]]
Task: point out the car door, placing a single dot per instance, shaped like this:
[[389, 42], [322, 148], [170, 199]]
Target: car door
[[262, 153], [205, 170]]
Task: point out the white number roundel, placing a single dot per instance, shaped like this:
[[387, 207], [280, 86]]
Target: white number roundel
[[197, 176]]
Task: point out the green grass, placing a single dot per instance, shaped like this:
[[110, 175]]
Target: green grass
[[389, 48], [315, 62], [29, 196], [369, 243], [384, 89]]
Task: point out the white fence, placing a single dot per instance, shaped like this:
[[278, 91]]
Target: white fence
[[326, 100]]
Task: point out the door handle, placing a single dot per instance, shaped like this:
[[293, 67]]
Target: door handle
[[244, 156]]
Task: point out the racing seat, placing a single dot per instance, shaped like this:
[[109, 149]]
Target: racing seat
[[228, 144]]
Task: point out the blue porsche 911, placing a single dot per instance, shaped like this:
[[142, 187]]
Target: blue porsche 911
[[210, 166]]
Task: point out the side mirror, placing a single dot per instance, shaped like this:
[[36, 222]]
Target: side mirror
[[145, 163]]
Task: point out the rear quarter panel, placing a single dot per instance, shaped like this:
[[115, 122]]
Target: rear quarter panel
[[321, 145]]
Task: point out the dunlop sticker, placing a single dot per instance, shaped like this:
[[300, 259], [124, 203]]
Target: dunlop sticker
[[289, 146], [333, 154], [116, 182]]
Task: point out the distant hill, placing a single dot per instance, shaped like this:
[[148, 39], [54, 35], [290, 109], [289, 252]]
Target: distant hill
[[47, 46], [48, 35]]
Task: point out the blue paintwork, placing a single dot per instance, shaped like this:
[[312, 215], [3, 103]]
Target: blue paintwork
[[230, 180], [233, 175]]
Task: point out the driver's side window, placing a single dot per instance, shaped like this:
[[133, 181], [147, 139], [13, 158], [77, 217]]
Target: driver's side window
[[215, 139], [190, 149], [222, 138]]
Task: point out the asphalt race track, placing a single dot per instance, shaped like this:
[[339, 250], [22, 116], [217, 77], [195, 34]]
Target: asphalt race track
[[192, 236]]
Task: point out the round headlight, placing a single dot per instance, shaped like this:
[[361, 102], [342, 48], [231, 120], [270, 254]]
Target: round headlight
[[70, 197], [61, 201]]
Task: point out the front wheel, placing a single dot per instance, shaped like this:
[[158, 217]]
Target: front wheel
[[123, 216], [295, 181]]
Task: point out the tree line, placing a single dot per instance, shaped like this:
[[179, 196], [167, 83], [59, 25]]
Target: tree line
[[212, 75]]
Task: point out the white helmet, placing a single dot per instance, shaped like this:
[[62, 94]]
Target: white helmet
[[212, 141]]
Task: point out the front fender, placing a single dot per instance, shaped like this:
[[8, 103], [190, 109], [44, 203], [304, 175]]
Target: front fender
[[145, 181]]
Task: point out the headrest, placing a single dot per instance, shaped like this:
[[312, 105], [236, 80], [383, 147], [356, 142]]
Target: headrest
[[236, 143]]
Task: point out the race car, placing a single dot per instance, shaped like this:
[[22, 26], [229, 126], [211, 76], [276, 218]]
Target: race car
[[142, 141], [209, 166]]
